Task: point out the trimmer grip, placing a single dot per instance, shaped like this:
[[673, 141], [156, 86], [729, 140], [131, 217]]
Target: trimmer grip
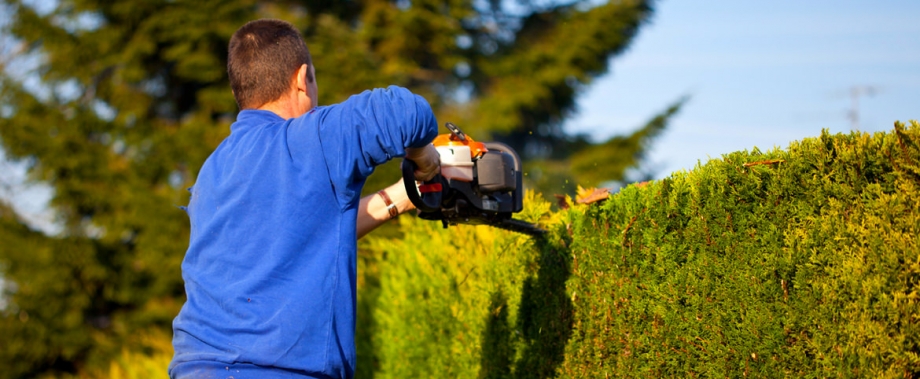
[[427, 197]]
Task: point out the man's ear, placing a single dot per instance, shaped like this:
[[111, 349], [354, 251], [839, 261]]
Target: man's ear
[[303, 73]]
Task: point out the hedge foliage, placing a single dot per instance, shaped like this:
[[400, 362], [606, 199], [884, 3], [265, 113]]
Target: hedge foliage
[[801, 262]]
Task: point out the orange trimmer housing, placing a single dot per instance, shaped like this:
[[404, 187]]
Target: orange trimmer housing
[[459, 154], [477, 149]]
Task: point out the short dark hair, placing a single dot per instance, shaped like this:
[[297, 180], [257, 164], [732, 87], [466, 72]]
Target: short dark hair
[[263, 56]]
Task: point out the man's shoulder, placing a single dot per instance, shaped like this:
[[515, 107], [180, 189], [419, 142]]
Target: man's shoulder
[[381, 93]]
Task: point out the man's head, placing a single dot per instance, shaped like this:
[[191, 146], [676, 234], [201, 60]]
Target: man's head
[[264, 58]]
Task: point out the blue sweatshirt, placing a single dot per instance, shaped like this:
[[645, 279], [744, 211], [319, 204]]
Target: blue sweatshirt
[[270, 268]]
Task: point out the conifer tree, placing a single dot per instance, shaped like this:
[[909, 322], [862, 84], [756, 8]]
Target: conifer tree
[[117, 104]]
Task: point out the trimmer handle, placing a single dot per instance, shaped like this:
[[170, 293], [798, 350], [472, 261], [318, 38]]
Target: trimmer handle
[[426, 196], [455, 131]]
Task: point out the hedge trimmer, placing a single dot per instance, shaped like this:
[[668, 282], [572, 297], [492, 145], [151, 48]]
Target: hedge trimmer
[[479, 183]]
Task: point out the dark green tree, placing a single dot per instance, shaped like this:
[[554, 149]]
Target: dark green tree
[[115, 105]]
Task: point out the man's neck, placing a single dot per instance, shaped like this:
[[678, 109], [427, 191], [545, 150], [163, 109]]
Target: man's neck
[[284, 109], [295, 104]]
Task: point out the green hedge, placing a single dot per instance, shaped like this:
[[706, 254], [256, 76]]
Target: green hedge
[[801, 262]]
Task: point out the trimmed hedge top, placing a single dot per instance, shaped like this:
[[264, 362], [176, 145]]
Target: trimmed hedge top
[[795, 263]]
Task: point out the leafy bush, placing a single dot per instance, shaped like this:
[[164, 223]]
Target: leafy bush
[[148, 359], [795, 263], [443, 291]]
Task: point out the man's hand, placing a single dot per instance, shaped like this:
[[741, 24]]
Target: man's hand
[[427, 159]]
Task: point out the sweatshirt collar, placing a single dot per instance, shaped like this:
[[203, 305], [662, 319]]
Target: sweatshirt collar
[[257, 116]]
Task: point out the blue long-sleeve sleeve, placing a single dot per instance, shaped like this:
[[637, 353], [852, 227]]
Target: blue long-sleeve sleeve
[[365, 131]]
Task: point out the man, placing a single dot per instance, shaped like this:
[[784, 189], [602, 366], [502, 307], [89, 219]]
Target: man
[[275, 214]]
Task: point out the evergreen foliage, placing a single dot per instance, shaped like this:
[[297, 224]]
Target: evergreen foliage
[[795, 263], [116, 105], [441, 290], [146, 360]]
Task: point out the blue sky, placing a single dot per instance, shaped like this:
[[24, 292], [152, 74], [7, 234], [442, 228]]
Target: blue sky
[[759, 74]]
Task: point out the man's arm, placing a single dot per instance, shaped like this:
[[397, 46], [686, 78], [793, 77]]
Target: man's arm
[[373, 210]]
